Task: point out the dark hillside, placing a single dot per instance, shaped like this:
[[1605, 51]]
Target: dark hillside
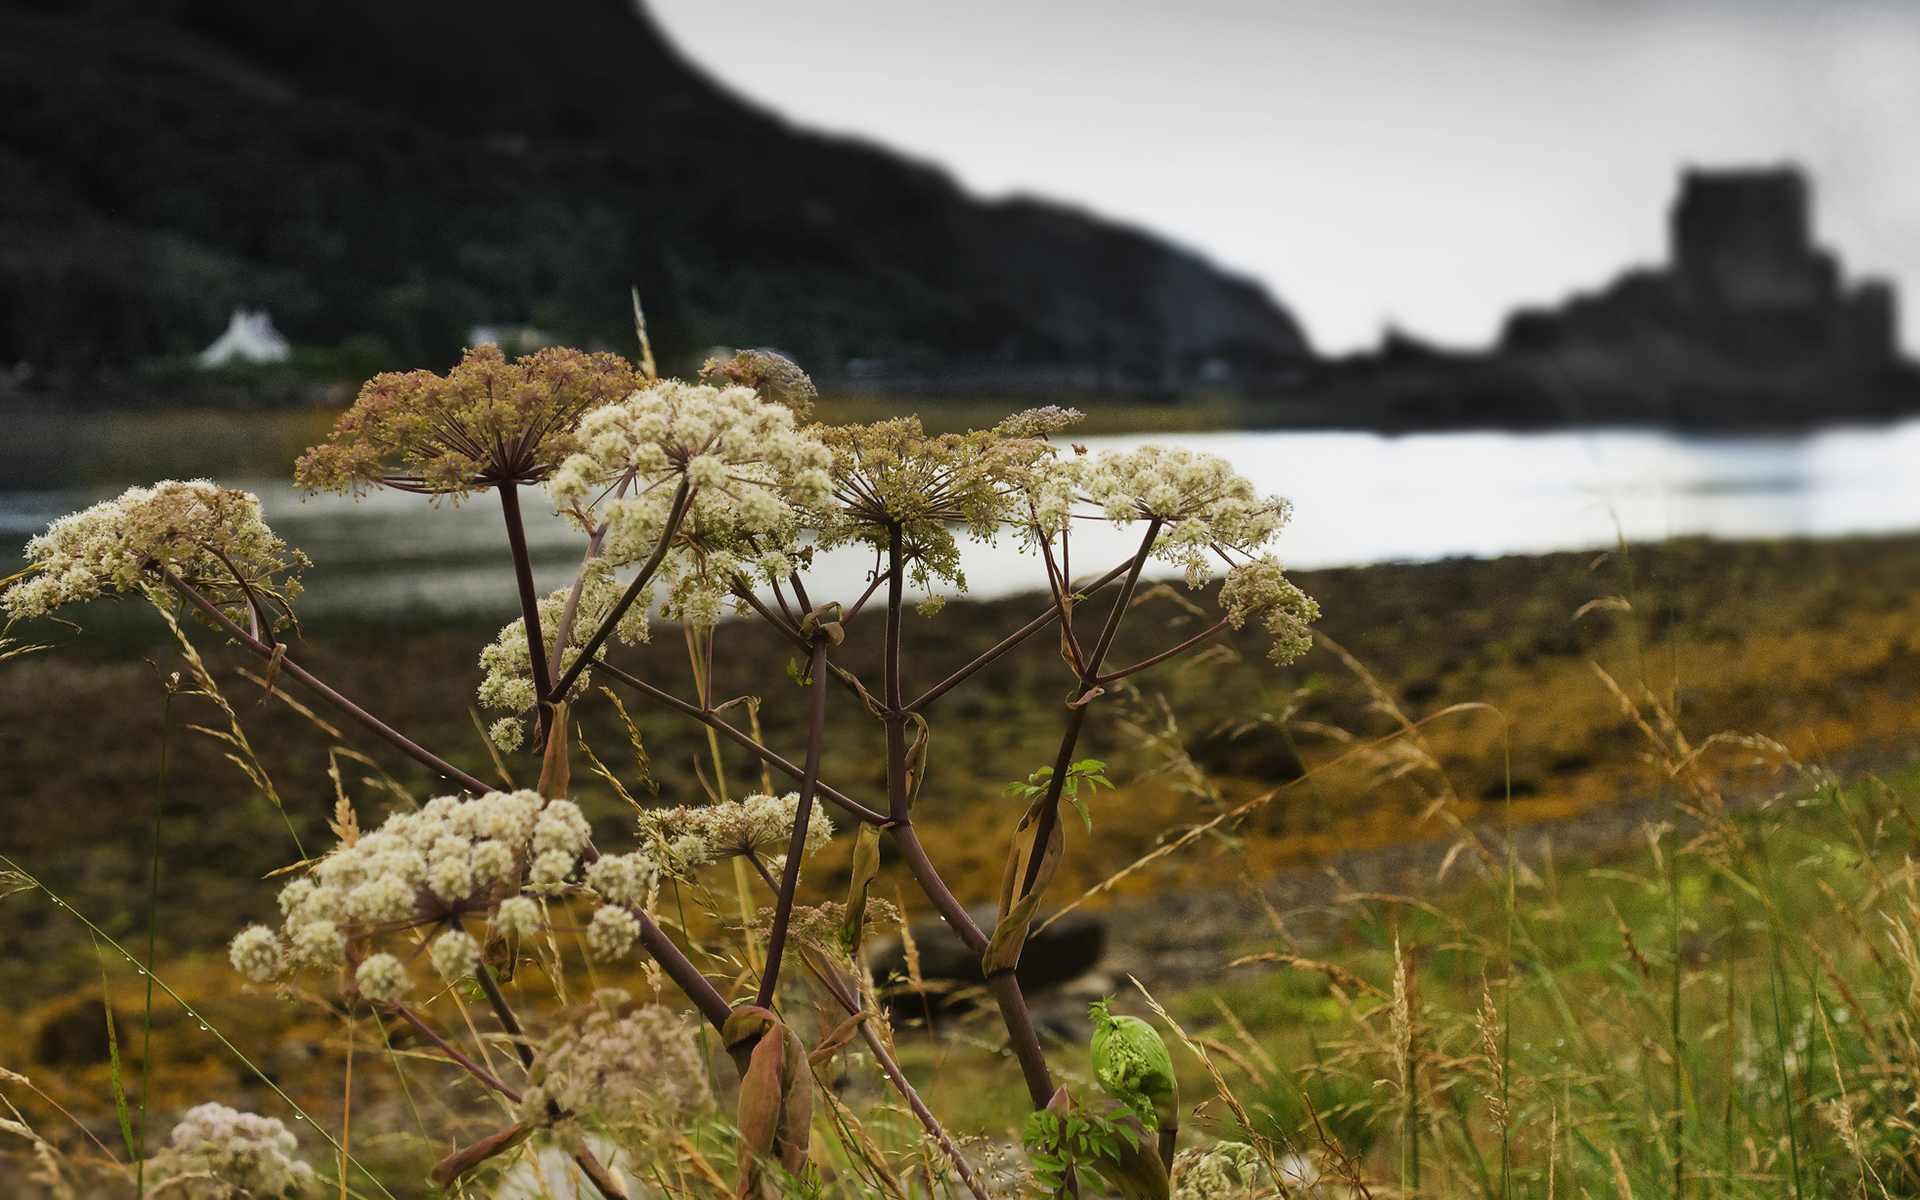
[[381, 177]]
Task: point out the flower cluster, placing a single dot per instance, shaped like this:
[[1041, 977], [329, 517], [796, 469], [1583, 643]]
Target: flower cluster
[[892, 475], [774, 376], [484, 423], [221, 1154], [1260, 588], [746, 465], [640, 1073], [1201, 502], [509, 679], [207, 536], [820, 925], [684, 838], [449, 860]]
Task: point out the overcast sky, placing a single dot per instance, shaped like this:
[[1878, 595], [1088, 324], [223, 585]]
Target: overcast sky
[[1427, 164]]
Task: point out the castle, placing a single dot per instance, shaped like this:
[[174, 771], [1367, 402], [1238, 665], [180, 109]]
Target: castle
[[1749, 324]]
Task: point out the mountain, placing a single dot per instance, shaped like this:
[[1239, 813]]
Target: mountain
[[382, 175]]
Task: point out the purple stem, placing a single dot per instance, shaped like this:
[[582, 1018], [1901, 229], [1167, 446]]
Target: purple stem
[[681, 499], [372, 723], [797, 844], [529, 603], [858, 810], [1014, 639], [473, 1068]]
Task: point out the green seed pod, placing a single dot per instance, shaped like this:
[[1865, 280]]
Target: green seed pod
[[1131, 1064]]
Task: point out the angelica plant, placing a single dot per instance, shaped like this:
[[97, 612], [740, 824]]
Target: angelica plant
[[697, 502]]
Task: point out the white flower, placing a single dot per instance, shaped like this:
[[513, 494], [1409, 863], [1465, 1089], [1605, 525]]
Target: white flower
[[491, 860], [1200, 500], [202, 533], [507, 734], [549, 872], [611, 932], [256, 953], [455, 953], [1259, 588], [722, 830], [383, 899], [644, 1069], [749, 470], [318, 944], [518, 917], [243, 1154], [562, 827], [382, 978], [622, 878]]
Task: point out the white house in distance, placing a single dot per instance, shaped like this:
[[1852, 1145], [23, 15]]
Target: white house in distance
[[249, 337]]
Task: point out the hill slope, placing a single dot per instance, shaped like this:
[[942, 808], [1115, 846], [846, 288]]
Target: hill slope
[[396, 172]]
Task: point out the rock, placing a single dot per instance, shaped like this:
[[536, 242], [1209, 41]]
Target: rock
[[1066, 950]]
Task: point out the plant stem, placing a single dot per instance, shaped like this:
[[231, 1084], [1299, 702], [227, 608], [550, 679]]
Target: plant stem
[[908, 842], [797, 844], [854, 808], [891, 1069], [1012, 640], [372, 723], [583, 1157], [529, 605], [502, 1011], [1050, 806], [680, 969], [1022, 1039], [607, 623], [1164, 655]]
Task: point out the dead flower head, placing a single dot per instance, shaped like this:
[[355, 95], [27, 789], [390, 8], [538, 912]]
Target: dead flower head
[[485, 423]]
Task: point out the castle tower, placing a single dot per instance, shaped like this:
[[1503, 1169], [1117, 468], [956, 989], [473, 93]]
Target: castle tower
[[1744, 240]]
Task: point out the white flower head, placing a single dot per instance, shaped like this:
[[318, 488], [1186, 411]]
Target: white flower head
[[455, 954], [1201, 501], [1260, 588], [611, 933], [243, 1154], [207, 536], [382, 978], [623, 878], [518, 917], [256, 953], [758, 823]]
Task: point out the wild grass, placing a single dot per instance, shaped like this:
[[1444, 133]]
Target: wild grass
[[1725, 1006], [1683, 1018]]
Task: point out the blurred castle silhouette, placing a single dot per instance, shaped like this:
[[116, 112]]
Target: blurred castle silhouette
[[1745, 280], [1749, 324]]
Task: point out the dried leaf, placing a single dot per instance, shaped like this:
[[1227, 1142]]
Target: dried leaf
[[457, 1164], [866, 865], [554, 768]]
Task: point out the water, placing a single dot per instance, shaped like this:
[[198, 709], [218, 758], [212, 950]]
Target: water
[[1358, 498]]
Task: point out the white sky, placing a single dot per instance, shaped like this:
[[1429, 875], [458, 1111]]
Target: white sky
[[1422, 163]]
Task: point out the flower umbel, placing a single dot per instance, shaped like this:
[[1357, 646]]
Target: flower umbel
[[892, 475], [642, 1073], [1260, 588], [209, 537], [728, 829], [745, 465], [484, 423], [222, 1154]]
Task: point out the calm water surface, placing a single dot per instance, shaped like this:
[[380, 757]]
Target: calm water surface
[[1358, 498]]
